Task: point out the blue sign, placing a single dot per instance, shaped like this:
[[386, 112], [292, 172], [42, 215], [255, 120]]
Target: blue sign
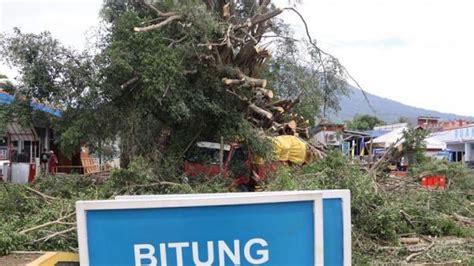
[[336, 220], [224, 229]]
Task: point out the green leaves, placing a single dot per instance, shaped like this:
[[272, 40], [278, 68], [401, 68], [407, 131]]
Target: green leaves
[[49, 72], [376, 218], [151, 89], [364, 122], [414, 145]]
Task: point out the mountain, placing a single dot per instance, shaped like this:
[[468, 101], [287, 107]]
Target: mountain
[[387, 110]]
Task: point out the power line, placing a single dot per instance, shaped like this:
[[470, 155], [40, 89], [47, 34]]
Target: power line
[[319, 51]]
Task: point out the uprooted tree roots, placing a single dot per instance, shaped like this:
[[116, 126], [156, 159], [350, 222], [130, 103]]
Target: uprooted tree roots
[[240, 54]]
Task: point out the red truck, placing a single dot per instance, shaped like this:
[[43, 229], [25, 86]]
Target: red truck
[[204, 160]]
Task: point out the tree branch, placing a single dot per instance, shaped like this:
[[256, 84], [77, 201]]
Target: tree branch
[[57, 221], [260, 18], [148, 4], [252, 81], [409, 258], [46, 197], [48, 237], [242, 98], [261, 111], [158, 25], [266, 92], [173, 42], [233, 81], [129, 82], [245, 80]]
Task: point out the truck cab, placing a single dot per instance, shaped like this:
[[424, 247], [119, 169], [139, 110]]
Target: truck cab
[[203, 160]]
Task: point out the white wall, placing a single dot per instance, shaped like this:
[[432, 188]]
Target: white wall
[[469, 148], [456, 135]]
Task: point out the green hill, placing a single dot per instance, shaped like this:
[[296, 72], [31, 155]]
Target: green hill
[[388, 110]]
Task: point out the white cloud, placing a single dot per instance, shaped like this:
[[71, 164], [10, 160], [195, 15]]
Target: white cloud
[[69, 21], [418, 52], [66, 20]]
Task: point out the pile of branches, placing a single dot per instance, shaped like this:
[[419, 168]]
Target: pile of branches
[[401, 223], [240, 54], [388, 226], [41, 216]]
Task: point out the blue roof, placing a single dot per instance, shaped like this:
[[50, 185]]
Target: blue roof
[[6, 98]]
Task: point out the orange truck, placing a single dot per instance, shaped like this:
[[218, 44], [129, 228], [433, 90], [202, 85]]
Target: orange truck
[[204, 159]]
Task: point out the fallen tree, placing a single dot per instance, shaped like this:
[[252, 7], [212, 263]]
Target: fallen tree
[[161, 71], [409, 223], [239, 54]]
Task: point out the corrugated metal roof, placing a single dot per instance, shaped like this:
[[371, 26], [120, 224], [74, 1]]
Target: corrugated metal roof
[[377, 133], [355, 132], [389, 138], [18, 132]]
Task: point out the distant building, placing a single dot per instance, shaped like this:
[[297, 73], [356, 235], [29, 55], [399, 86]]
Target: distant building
[[21, 146], [328, 134], [390, 127], [460, 142], [454, 124], [430, 123], [350, 142]]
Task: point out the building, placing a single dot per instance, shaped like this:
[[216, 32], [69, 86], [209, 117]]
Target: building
[[430, 123], [350, 142], [329, 134], [390, 127], [454, 124], [21, 145], [460, 142], [433, 124]]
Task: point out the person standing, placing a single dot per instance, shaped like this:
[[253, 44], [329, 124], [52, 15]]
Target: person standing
[[44, 157], [53, 163], [22, 157]]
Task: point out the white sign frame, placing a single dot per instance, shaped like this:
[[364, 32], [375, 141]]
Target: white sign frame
[[343, 194], [197, 200]]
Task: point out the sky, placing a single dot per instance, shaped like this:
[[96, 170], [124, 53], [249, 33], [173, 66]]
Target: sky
[[418, 52]]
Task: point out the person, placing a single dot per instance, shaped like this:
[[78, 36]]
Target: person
[[13, 156], [53, 163], [22, 157], [403, 164], [44, 158]]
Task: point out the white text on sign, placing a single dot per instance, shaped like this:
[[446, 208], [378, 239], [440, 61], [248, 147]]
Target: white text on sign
[[146, 255]]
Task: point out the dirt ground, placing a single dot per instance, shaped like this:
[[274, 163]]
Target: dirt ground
[[18, 259]]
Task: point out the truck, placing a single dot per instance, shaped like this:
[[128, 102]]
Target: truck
[[234, 160]]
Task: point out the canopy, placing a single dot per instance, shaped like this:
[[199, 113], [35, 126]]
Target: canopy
[[434, 144], [389, 138], [384, 141], [6, 98], [377, 133], [18, 132]]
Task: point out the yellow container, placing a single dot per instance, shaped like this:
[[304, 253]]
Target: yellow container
[[51, 258]]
